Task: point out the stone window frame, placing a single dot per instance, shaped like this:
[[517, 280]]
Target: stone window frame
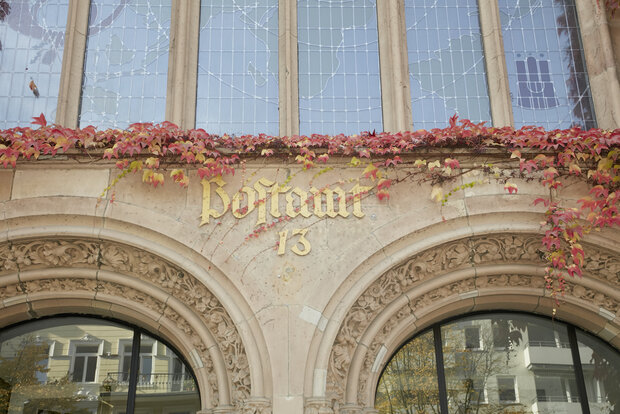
[[395, 90]]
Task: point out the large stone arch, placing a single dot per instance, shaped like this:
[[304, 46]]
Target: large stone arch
[[45, 273], [496, 269]]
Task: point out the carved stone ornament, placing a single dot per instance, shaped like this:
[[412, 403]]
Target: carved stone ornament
[[136, 263], [410, 276]]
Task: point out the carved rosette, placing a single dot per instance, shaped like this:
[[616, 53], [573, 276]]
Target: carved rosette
[[410, 277], [136, 263]]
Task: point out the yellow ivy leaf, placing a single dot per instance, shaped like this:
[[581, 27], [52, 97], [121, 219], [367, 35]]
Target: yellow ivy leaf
[[433, 165], [437, 194]]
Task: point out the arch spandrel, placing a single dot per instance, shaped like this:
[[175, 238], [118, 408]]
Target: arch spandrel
[[48, 276], [482, 272]]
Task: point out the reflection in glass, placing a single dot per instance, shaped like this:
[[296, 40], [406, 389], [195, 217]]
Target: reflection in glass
[[503, 363], [339, 86], [238, 67], [446, 62], [79, 365], [409, 382], [32, 36], [546, 67], [601, 371], [126, 66], [163, 375]]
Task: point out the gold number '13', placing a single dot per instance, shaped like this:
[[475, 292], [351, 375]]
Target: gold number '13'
[[302, 240]]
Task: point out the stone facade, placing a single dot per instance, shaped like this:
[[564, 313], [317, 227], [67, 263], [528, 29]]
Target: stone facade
[[268, 332], [293, 333]]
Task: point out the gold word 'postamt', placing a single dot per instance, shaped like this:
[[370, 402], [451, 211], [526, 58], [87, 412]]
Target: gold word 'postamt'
[[298, 201]]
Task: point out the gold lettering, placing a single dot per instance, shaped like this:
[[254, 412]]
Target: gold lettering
[[207, 211], [239, 212], [357, 192], [303, 203], [260, 186], [302, 239], [275, 200], [329, 202]]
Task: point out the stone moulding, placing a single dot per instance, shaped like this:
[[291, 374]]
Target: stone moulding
[[115, 273], [460, 271]]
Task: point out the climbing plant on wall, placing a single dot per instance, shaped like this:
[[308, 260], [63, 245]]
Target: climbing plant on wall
[[549, 157]]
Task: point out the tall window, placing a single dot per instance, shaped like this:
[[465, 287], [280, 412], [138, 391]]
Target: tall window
[[446, 62], [339, 85], [531, 374], [32, 37], [85, 361], [238, 67], [546, 66], [126, 65]]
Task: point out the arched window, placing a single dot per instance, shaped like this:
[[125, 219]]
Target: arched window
[[87, 365], [501, 362]]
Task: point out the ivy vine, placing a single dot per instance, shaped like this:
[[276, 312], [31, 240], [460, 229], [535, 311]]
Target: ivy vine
[[550, 157]]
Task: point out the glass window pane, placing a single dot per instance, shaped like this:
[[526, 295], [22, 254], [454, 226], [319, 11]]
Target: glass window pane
[[339, 84], [601, 370], [91, 367], [409, 381], [526, 371], [446, 62], [32, 37], [70, 382], [546, 67], [165, 383], [238, 67], [126, 63]]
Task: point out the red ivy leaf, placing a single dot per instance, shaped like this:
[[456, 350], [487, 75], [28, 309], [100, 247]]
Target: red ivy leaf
[[39, 120]]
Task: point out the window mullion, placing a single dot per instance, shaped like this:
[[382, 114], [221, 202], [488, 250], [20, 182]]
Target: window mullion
[[495, 62], [183, 63], [70, 89], [581, 384], [288, 77], [441, 375], [134, 368], [394, 68]]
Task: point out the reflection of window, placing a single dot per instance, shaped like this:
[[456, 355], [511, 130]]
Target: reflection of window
[[85, 358], [472, 338], [506, 389], [146, 361]]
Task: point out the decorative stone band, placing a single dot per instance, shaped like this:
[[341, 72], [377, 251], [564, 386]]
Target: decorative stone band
[[110, 273], [455, 274]]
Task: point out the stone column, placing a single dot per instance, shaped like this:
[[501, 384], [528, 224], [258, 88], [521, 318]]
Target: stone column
[[287, 68], [395, 89], [183, 63], [495, 60], [600, 62], [70, 90]]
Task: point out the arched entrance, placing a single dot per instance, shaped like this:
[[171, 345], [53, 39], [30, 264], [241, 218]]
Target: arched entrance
[[46, 276], [494, 271]]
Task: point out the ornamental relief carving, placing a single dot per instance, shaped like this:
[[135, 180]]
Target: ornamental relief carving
[[483, 250], [148, 267]]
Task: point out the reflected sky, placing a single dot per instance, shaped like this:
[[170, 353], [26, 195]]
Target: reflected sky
[[31, 47], [238, 67], [339, 85]]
